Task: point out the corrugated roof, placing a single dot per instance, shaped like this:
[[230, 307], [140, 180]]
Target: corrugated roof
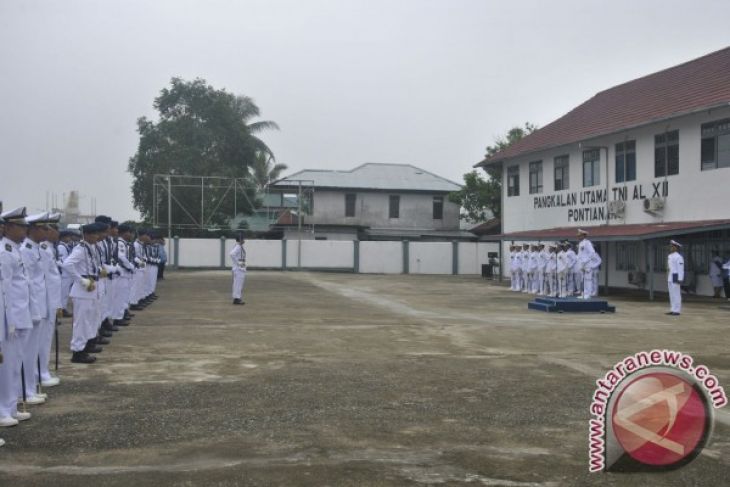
[[376, 176], [634, 231], [696, 85]]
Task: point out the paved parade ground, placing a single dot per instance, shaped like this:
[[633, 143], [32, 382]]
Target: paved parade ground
[[338, 379]]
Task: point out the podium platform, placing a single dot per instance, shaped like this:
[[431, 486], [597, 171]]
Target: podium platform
[[570, 305]]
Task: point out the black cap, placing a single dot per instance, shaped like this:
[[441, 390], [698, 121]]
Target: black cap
[[103, 219]]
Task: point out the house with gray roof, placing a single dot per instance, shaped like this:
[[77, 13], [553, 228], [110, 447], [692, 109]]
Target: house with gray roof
[[376, 202]]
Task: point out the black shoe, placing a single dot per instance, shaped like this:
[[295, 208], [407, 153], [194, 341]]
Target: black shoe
[[128, 316], [66, 314], [236, 301], [121, 323], [135, 307], [109, 327], [106, 333], [91, 348], [82, 358], [102, 341]]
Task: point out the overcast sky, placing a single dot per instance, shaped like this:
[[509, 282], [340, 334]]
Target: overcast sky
[[425, 82]]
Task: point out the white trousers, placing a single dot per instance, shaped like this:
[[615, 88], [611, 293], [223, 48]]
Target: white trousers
[[45, 342], [596, 281], [239, 278], [139, 283], [30, 360], [578, 279], [563, 278], [513, 280], [588, 284], [121, 297], [675, 297], [66, 283], [10, 374], [86, 322], [551, 284]]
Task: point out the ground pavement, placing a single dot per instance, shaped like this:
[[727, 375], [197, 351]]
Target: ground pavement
[[350, 380]]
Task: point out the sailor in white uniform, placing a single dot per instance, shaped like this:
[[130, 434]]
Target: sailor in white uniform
[[571, 260], [238, 267], [64, 247], [563, 272], [525, 279], [542, 259], [551, 273], [675, 276], [513, 268], [51, 263], [18, 321], [30, 251], [518, 268], [588, 261], [82, 265]]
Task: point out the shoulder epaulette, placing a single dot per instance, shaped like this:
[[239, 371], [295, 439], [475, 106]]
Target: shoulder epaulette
[[28, 246], [8, 247], [43, 246]]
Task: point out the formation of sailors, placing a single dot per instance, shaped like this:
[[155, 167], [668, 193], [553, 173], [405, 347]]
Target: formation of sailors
[[105, 270], [556, 269]]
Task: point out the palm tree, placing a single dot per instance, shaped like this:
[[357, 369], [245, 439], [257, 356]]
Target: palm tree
[[265, 170]]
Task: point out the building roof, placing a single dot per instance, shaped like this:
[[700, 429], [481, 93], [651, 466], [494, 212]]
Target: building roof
[[697, 85], [374, 176], [489, 227], [637, 231]]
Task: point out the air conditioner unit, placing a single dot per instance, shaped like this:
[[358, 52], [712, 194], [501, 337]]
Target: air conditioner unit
[[616, 208], [653, 204]]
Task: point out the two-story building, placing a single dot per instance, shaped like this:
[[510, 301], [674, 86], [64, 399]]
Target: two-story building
[[636, 165], [374, 202]]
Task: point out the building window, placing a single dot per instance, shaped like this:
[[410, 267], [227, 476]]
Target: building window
[[627, 257], [591, 168], [394, 206], [438, 207], [536, 177], [626, 161], [513, 181], [716, 145], [562, 173], [350, 199], [661, 252], [666, 154]]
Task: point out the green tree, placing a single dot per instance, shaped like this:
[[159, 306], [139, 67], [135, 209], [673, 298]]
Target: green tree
[[480, 195], [201, 131], [265, 170]]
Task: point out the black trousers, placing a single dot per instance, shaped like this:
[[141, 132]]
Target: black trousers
[[726, 285], [161, 271]]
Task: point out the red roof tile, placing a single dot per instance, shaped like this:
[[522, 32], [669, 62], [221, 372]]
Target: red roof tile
[[696, 85], [637, 231]]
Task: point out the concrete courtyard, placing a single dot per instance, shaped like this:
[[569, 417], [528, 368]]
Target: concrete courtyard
[[351, 380]]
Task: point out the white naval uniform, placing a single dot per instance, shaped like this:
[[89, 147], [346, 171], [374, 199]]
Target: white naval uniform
[[124, 282], [524, 278], [512, 271], [33, 262], [563, 272], [54, 284], [64, 250], [551, 275], [82, 266], [16, 288], [518, 270], [675, 267], [588, 261], [542, 259], [238, 267], [532, 266], [570, 262], [139, 280]]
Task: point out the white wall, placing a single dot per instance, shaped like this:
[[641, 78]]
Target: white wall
[[430, 258], [376, 257], [693, 194], [200, 252], [381, 257]]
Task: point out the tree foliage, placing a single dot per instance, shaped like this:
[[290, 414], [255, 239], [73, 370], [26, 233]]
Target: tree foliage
[[482, 195], [265, 170], [200, 131]]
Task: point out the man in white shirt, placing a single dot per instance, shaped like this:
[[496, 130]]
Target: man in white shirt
[[238, 267], [588, 262], [675, 276]]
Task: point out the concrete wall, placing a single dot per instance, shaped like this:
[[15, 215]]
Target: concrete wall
[[693, 194], [371, 209], [380, 257]]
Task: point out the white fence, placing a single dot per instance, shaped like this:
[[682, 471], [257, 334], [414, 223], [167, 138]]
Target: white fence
[[388, 257]]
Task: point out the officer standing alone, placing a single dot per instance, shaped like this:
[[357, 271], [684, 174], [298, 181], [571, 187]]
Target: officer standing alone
[[675, 276], [238, 267]]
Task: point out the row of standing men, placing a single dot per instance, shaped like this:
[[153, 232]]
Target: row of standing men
[[556, 269], [103, 269]]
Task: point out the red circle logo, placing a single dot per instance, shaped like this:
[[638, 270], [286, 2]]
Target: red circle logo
[[661, 419]]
